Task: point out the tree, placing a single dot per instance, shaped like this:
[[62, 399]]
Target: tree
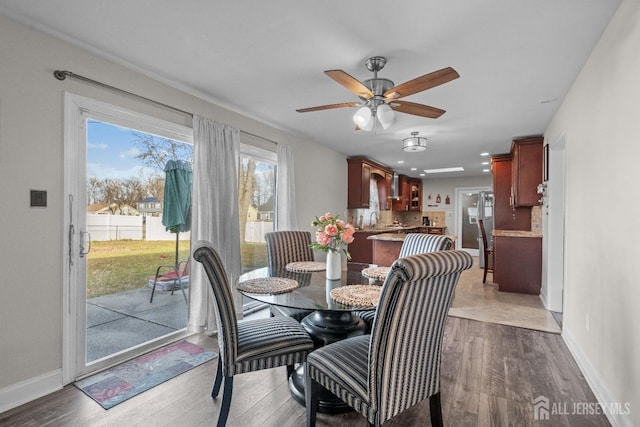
[[264, 184], [156, 151], [245, 191]]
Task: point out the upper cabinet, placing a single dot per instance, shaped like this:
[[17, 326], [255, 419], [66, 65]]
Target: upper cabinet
[[415, 195], [360, 172], [515, 180], [358, 191], [527, 171]]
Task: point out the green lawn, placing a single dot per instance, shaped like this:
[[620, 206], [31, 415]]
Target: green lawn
[[122, 265]]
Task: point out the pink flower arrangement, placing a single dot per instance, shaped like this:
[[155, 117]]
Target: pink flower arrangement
[[332, 234]]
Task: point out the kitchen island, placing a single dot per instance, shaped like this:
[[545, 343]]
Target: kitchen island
[[386, 247], [361, 249]]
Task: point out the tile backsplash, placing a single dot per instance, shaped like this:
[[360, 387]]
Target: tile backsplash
[[536, 219], [362, 217]]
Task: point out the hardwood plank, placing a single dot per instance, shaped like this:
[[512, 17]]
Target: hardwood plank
[[490, 375]]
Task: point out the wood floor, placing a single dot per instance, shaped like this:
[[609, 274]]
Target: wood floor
[[490, 376]]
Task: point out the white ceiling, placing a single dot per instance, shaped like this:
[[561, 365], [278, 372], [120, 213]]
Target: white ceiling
[[516, 58]]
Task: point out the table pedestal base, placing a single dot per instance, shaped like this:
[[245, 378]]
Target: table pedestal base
[[326, 327]]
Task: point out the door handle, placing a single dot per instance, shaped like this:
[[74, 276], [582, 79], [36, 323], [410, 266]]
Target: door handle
[[85, 251]]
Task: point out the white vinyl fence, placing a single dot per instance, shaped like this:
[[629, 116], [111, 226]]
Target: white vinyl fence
[[122, 227], [256, 230]]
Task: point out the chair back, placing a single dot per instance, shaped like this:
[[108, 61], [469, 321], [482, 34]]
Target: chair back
[[419, 243], [223, 299], [284, 247], [483, 234], [406, 337]]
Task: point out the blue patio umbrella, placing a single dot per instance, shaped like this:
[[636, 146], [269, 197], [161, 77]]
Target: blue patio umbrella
[[176, 211]]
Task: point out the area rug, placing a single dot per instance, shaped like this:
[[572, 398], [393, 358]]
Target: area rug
[[124, 381]]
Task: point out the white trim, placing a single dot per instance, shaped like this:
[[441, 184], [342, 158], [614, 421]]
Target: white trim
[[553, 228], [258, 153], [76, 109], [598, 386], [29, 390]]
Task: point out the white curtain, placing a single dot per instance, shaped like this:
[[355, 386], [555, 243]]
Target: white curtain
[[286, 215], [215, 212]]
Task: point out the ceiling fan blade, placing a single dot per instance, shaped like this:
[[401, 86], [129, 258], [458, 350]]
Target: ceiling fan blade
[[416, 109], [328, 107], [421, 83], [351, 83]]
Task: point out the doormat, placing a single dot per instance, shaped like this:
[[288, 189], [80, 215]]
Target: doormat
[[124, 381]]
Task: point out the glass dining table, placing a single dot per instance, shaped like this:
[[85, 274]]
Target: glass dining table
[[329, 320]]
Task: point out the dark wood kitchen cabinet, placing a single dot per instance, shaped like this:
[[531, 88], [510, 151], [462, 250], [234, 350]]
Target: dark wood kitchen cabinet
[[505, 215], [358, 191], [360, 171], [517, 263], [361, 249], [415, 195], [526, 172]]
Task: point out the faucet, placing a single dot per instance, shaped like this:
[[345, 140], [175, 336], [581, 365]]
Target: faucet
[[371, 223]]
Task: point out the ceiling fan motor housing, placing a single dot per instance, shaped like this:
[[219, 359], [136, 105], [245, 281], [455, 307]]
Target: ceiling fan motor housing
[[378, 87]]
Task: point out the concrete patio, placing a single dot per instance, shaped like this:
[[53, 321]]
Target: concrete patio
[[119, 321]]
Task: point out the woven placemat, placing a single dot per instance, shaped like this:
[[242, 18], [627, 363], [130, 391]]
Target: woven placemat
[[357, 295], [379, 273], [268, 285], [306, 266]]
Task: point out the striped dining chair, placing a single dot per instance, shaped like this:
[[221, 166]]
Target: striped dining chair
[[284, 247], [419, 243], [414, 243], [250, 345], [398, 364]]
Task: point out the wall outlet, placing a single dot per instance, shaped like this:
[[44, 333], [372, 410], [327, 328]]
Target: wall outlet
[[587, 322]]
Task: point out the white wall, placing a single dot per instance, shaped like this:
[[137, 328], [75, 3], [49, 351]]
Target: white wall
[[601, 119], [447, 186], [31, 157]]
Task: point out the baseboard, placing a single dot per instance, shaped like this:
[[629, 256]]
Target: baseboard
[[31, 389], [598, 386], [543, 297]]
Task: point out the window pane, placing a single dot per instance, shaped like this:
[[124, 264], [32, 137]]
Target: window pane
[[256, 203]]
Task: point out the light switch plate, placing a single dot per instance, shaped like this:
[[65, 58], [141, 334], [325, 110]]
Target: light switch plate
[[38, 199]]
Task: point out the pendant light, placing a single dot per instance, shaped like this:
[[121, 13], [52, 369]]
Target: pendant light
[[414, 143]]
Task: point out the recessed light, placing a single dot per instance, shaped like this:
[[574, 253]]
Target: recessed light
[[422, 174], [484, 154], [400, 162], [485, 163], [485, 170], [442, 170], [414, 169]]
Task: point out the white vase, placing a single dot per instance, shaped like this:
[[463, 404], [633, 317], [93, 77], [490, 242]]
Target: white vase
[[334, 265]]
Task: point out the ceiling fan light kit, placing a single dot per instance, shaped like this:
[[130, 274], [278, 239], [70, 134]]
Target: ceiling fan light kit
[[379, 96], [385, 116], [414, 143], [362, 118]]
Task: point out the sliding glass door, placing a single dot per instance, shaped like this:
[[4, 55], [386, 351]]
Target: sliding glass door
[[117, 241]]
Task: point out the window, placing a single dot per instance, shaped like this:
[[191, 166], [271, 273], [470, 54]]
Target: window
[[256, 200]]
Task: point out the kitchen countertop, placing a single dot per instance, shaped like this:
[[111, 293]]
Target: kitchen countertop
[[392, 237], [516, 233], [397, 237], [389, 229]]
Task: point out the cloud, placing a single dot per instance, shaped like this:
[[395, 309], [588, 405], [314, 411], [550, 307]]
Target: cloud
[[98, 145], [132, 152], [101, 171]]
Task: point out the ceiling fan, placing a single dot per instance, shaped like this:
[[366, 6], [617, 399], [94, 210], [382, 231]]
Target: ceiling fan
[[380, 97]]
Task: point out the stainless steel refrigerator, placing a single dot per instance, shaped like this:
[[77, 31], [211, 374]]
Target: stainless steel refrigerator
[[485, 213]]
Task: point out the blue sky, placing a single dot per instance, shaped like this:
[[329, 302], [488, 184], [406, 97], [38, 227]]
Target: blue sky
[[111, 153]]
